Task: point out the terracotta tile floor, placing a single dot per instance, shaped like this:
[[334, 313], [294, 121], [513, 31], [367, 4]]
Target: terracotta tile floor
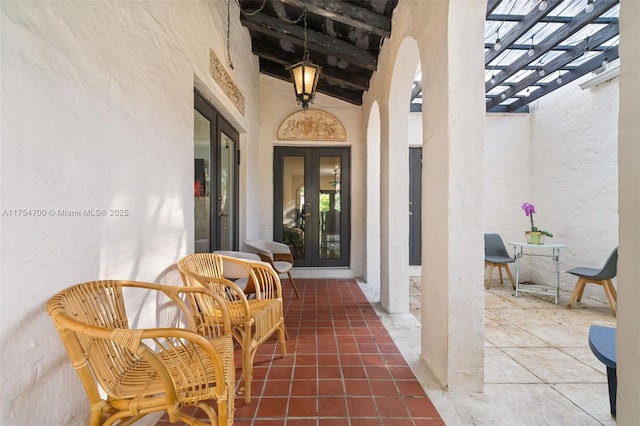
[[341, 369]]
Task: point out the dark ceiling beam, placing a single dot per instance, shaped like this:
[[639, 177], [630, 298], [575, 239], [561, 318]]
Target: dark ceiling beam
[[548, 19], [520, 29], [584, 69], [417, 89], [577, 23], [529, 67], [345, 94], [273, 27], [491, 6], [559, 47], [348, 14], [601, 36], [505, 108], [333, 75]]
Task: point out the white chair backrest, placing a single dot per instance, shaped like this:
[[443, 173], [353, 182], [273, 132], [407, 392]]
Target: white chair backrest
[[267, 247], [233, 270]]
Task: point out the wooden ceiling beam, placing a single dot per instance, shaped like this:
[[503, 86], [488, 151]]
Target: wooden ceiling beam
[[348, 14], [577, 23], [273, 27], [601, 36], [520, 29], [277, 71], [584, 69], [333, 75]]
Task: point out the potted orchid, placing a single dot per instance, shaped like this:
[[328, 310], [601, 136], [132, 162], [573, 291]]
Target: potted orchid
[[535, 236]]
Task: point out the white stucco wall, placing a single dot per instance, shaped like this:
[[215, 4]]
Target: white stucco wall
[[452, 294], [98, 114], [575, 174], [277, 102]]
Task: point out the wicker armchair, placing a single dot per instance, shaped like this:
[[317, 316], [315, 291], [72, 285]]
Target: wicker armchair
[[140, 370], [253, 321]]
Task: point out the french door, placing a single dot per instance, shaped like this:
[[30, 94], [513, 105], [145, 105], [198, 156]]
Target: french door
[[415, 206], [312, 204], [215, 179]]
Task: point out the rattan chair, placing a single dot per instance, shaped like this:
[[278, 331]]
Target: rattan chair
[[146, 370], [277, 254], [253, 320], [236, 266]]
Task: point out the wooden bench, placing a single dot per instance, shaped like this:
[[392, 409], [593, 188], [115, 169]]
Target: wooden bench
[[602, 341]]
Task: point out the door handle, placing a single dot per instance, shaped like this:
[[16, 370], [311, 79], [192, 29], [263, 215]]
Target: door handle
[[221, 214], [307, 214]]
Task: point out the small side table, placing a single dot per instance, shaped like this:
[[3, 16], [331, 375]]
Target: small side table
[[602, 341], [534, 250]]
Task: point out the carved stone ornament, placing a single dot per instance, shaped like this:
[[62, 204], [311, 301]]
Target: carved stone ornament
[[223, 78], [312, 125]]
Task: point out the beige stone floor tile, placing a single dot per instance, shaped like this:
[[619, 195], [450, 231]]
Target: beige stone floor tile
[[510, 405], [585, 355], [539, 369], [591, 397], [501, 368], [561, 335], [554, 366], [511, 336]]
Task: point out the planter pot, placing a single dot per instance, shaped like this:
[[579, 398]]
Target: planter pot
[[534, 237]]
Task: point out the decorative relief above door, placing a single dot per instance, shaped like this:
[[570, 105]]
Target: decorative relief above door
[[312, 125]]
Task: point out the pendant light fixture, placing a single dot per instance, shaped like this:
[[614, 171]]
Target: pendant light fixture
[[589, 7], [497, 45], [543, 5], [305, 74], [531, 51]]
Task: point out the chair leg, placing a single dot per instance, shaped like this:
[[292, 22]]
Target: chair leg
[[293, 283], [247, 372], [607, 284], [513, 282], [282, 338], [577, 291], [613, 290], [488, 283]]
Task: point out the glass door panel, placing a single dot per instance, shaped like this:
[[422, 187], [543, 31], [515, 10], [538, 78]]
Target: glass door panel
[[216, 180], [202, 182], [311, 209], [293, 205], [329, 208], [226, 200]]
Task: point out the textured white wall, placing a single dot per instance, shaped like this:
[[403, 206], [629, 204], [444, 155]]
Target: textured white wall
[[574, 139], [452, 315], [98, 114], [277, 102]]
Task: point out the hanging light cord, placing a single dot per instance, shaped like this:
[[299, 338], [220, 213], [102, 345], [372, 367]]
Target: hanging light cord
[[252, 12], [229, 33]]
